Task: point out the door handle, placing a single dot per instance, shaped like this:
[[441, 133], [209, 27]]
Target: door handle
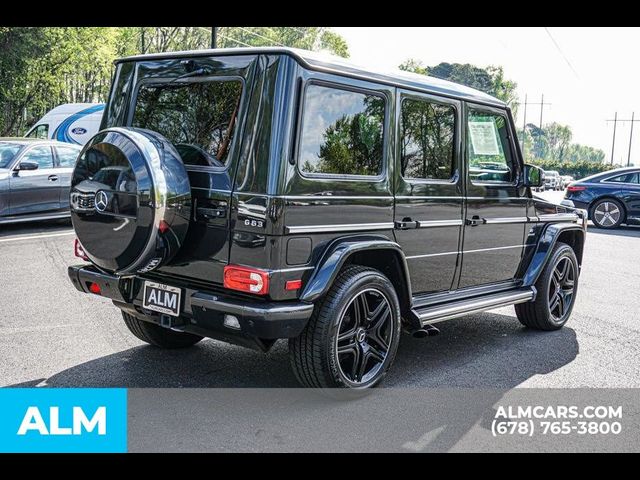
[[53, 178], [209, 213], [405, 224], [475, 221]]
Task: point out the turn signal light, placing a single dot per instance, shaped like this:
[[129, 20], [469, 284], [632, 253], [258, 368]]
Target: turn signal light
[[78, 251], [575, 188], [246, 279]]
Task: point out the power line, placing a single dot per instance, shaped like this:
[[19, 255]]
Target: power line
[[562, 53], [260, 36], [234, 40]]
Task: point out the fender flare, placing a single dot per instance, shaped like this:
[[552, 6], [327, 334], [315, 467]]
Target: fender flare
[[336, 255], [543, 250]]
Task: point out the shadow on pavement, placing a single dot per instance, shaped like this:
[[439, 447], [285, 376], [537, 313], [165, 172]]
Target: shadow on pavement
[[483, 351], [34, 228], [622, 231]]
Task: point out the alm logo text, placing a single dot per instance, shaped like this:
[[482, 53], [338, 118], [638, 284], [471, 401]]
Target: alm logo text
[[34, 421]]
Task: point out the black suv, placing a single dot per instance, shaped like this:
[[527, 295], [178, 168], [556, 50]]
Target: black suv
[[250, 195]]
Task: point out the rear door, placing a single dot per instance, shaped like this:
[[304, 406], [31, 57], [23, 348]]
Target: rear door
[[35, 191], [428, 193], [496, 203], [202, 115]]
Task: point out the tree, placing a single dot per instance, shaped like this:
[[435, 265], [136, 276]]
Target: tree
[[490, 80], [43, 67]]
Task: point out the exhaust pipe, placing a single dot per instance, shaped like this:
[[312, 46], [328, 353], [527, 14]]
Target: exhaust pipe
[[426, 331]]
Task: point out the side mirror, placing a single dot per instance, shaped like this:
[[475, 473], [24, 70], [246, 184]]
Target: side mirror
[[533, 176], [27, 165]]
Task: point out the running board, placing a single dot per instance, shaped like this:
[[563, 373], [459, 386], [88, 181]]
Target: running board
[[438, 313]]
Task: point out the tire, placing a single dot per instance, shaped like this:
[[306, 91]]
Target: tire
[[159, 336], [544, 313], [607, 213], [362, 362]]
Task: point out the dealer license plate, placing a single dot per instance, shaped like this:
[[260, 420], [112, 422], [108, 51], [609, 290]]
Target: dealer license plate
[[161, 298]]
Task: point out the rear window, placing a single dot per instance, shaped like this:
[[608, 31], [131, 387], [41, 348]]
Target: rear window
[[342, 132], [198, 118]]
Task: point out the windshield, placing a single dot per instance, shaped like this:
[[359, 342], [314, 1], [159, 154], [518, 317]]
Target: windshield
[[8, 152]]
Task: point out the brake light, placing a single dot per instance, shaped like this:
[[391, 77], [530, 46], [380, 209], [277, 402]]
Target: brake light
[[78, 251], [246, 279], [575, 188]]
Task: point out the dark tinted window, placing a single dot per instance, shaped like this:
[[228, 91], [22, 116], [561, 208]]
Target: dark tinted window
[[8, 153], [626, 178], [41, 131], [342, 132], [199, 118], [41, 155], [490, 157], [67, 156], [427, 139]]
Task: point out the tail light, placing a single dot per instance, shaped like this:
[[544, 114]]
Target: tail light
[[246, 279], [575, 188], [78, 251]]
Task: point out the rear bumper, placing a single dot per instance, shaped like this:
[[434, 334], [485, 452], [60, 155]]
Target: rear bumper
[[202, 312]]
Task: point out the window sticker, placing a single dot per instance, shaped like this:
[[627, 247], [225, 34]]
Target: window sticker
[[484, 138]]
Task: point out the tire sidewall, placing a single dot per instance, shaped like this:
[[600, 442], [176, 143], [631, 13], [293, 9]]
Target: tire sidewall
[[359, 283], [607, 227], [564, 251]]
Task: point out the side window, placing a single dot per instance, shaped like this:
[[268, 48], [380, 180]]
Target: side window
[[41, 131], [620, 179], [41, 155], [67, 156], [635, 178], [490, 157], [342, 132], [427, 139]]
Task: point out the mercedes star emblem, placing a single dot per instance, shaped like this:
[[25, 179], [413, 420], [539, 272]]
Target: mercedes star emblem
[[102, 200]]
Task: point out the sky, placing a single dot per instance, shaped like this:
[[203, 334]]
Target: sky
[[587, 75]]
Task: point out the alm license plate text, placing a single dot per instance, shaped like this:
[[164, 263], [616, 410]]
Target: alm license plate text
[[161, 298]]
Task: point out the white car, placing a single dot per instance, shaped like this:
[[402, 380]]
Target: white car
[[71, 123]]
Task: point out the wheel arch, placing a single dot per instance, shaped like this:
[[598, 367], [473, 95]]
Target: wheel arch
[[569, 233], [379, 253]]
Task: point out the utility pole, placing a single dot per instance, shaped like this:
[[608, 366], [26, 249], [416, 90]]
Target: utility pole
[[613, 144], [542, 104], [633, 114], [214, 37], [615, 121], [524, 125]]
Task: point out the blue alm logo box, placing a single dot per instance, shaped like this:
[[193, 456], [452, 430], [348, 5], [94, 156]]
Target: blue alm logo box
[[63, 420]]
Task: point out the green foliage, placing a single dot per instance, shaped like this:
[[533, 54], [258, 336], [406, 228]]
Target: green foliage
[[553, 143], [577, 170], [42, 67], [489, 80]]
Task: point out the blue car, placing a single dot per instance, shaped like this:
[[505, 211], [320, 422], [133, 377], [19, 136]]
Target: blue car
[[611, 198]]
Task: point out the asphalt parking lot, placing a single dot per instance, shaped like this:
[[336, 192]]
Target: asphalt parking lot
[[51, 335]]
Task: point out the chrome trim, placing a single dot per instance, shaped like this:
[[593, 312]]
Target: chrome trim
[[499, 220], [333, 197], [439, 223], [428, 255], [430, 197], [466, 307], [293, 269], [559, 217], [494, 248], [349, 227], [34, 219]]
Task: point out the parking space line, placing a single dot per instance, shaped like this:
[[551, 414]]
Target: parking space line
[[32, 237]]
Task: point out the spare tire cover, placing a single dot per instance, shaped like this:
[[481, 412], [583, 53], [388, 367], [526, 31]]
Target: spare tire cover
[[130, 200]]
